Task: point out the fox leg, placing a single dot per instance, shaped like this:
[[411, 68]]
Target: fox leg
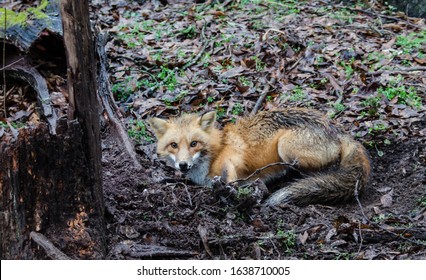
[[229, 171]]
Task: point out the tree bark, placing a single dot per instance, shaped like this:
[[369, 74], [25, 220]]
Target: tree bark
[[413, 8], [50, 182]]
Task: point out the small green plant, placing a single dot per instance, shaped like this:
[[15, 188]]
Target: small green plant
[[381, 217], [206, 59], [122, 90], [376, 56], [422, 201], [411, 42], [14, 124], [220, 112], [319, 60], [377, 127], [244, 192], [344, 256], [237, 109], [338, 108], [11, 18], [289, 239], [227, 38], [168, 78], [139, 133], [344, 14], [297, 94], [259, 65], [244, 81], [349, 71], [372, 105], [404, 95], [189, 32], [210, 99]]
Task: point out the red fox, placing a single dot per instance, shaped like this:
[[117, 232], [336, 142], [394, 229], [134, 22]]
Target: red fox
[[331, 162]]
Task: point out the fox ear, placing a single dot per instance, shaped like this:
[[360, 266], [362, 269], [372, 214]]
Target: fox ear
[[207, 120], [159, 126]]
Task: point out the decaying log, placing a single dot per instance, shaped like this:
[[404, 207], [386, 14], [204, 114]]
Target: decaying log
[[50, 183], [27, 73], [45, 187]]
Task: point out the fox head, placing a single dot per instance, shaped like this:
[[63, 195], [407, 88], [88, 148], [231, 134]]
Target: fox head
[[185, 141]]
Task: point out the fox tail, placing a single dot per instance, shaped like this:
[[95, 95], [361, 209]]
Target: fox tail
[[330, 187]]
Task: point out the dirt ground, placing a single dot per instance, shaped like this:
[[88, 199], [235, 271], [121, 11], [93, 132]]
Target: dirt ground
[[153, 213], [150, 219]]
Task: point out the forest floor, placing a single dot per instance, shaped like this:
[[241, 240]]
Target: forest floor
[[363, 66]]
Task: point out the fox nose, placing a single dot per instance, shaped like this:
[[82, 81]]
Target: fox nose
[[183, 166]]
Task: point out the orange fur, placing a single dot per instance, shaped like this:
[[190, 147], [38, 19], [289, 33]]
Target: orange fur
[[194, 144]]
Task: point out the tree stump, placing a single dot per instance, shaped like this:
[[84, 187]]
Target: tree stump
[[50, 172]]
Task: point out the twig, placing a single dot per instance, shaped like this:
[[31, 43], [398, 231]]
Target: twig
[[201, 52], [187, 193], [338, 89], [262, 96], [397, 71], [203, 234], [257, 171], [32, 76], [265, 36], [11, 64], [383, 16], [368, 221], [356, 194], [50, 249], [295, 64]]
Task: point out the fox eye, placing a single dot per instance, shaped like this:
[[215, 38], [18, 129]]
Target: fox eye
[[193, 144], [174, 145]]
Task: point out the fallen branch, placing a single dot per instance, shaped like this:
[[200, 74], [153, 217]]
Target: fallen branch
[[50, 249], [25, 72], [201, 52], [396, 71], [388, 235], [135, 250], [203, 235], [381, 16], [262, 96], [108, 103]]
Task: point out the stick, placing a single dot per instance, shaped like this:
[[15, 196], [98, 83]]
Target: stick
[[396, 71], [356, 193], [201, 52], [262, 96], [203, 234], [383, 16], [107, 103], [50, 249]]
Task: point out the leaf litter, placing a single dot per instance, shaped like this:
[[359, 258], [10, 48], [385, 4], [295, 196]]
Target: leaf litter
[[358, 64]]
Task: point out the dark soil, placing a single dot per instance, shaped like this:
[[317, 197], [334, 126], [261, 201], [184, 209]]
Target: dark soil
[[150, 219]]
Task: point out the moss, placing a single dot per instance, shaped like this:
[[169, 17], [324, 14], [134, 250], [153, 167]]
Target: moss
[[13, 19]]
